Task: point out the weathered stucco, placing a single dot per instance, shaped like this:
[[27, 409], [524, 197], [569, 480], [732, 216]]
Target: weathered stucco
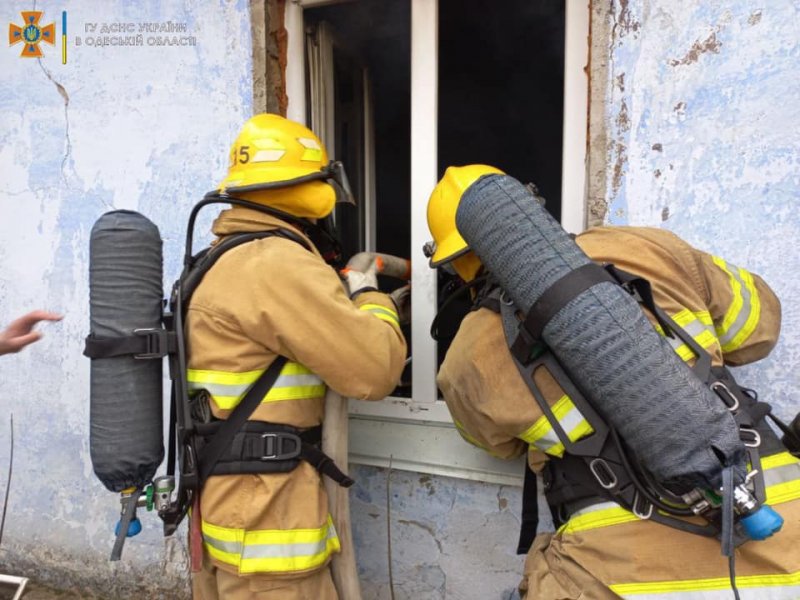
[[144, 127], [693, 122], [701, 124], [450, 538]]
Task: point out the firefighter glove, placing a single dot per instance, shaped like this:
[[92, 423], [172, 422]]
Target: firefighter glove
[[402, 301], [361, 281]]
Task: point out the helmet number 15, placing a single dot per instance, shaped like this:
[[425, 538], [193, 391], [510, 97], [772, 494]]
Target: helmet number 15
[[240, 155]]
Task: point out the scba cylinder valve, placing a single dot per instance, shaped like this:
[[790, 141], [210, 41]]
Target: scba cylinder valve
[[759, 522], [158, 495]]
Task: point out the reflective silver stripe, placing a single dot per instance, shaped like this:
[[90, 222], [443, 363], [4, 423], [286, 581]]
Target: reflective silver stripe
[[240, 389], [744, 312], [229, 547], [704, 335], [250, 551], [288, 550], [732, 333], [382, 312], [594, 508], [568, 422], [782, 474], [695, 329]]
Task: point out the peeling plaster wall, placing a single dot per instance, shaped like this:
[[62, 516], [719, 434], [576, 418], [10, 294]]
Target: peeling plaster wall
[[143, 128], [147, 128], [450, 538], [701, 121]]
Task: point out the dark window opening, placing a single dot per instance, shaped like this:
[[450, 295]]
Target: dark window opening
[[348, 107], [375, 34], [501, 81], [378, 32], [501, 96]]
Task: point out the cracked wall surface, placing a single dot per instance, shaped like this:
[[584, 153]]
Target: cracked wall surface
[[145, 128], [695, 119], [450, 538]]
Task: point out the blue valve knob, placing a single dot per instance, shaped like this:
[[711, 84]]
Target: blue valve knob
[[762, 524], [134, 527]]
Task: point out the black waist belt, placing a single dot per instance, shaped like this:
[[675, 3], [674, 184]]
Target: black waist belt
[[261, 447], [570, 486]]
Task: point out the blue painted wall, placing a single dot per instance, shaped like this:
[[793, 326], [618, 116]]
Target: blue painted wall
[[144, 127], [703, 118], [701, 114]]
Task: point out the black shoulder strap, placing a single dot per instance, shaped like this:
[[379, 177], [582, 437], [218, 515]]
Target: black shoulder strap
[[553, 300], [530, 511], [189, 281]]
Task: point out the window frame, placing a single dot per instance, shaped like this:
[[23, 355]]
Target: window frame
[[433, 452]]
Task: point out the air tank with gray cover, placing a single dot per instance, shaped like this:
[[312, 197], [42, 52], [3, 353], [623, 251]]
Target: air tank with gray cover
[[674, 424], [125, 295]]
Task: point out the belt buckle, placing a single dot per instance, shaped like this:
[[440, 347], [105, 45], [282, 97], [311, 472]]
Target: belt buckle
[[274, 446]]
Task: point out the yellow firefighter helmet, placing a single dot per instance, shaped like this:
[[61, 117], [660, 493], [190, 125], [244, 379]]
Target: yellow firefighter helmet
[[271, 150], [448, 245]]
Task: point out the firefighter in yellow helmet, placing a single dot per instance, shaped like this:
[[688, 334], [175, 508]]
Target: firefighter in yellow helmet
[[267, 533], [601, 550]]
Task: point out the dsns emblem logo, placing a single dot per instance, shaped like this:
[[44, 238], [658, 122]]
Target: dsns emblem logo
[[31, 34]]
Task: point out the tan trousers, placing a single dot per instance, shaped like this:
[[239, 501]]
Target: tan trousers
[[216, 584]]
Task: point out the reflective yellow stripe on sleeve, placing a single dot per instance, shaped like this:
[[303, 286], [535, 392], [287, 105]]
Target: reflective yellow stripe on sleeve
[[698, 325], [543, 436], [742, 316], [382, 312], [227, 389], [271, 550]]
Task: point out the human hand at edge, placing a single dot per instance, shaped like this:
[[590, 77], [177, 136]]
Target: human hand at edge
[[20, 332]]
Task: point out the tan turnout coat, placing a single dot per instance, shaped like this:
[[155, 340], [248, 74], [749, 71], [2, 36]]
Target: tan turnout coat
[[262, 299], [604, 551]]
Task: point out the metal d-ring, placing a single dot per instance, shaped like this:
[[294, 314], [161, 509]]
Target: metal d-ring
[[756, 441], [596, 466], [721, 390], [636, 508]]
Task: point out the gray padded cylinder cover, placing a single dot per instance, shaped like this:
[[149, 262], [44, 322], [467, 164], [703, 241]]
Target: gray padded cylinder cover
[[125, 293], [674, 424]]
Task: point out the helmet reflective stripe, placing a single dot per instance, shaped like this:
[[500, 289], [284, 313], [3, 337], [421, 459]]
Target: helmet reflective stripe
[[742, 315], [267, 156], [382, 312], [271, 551], [227, 389], [313, 151], [543, 436]]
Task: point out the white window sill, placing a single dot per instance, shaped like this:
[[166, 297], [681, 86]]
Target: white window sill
[[422, 438]]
